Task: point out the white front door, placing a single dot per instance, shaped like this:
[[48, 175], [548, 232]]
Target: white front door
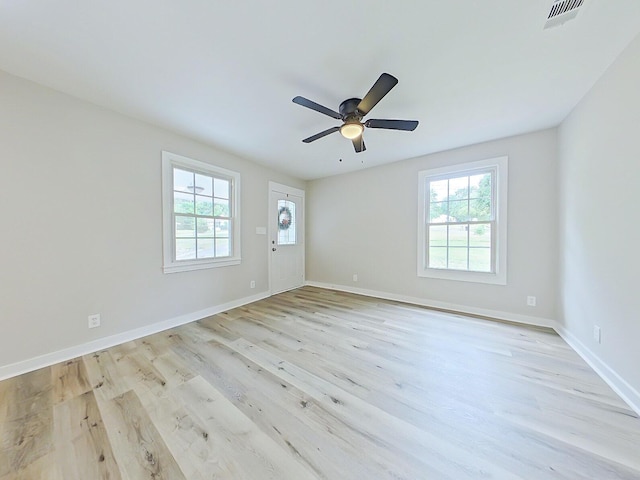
[[286, 237]]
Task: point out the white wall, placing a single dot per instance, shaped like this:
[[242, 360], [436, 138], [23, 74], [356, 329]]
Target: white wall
[[366, 223], [81, 224], [599, 154]]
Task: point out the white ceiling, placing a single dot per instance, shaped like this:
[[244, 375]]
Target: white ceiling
[[224, 72]]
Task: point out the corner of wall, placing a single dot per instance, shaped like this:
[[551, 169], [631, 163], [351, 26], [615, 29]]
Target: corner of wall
[[630, 395]]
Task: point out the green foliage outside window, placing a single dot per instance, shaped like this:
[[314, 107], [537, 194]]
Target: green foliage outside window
[[472, 203], [183, 205]]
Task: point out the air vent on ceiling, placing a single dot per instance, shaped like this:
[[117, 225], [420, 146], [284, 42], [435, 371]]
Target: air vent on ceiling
[[562, 11]]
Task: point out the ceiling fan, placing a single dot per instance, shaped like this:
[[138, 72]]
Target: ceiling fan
[[352, 110]]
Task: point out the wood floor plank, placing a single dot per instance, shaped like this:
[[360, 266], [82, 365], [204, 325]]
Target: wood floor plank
[[25, 395], [138, 448], [318, 384], [27, 420], [103, 374], [69, 380], [186, 439], [247, 450], [25, 440], [82, 446], [46, 467]]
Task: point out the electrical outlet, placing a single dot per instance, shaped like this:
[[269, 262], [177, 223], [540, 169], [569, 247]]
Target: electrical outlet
[[531, 301], [94, 320], [253, 284], [597, 334], [355, 277]]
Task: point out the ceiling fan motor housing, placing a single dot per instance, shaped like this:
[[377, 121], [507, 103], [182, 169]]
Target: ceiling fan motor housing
[[349, 108]]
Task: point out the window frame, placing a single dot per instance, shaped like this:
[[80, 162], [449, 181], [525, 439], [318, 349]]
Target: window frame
[[170, 264], [499, 235]]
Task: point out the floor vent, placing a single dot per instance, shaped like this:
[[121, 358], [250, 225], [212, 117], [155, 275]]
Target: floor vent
[[562, 11]]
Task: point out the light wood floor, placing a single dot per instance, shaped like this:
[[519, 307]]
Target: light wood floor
[[316, 384]]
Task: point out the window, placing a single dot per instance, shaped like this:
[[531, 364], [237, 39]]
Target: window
[[462, 222], [201, 222], [286, 222]]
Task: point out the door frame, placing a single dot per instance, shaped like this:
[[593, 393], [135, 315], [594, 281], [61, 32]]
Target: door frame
[[275, 187]]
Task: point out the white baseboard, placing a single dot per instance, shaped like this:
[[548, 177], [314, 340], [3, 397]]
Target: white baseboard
[[425, 302], [18, 368], [619, 385]]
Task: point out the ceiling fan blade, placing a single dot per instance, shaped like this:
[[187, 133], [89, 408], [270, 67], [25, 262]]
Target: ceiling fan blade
[[408, 125], [383, 85], [358, 144], [317, 107], [315, 137]]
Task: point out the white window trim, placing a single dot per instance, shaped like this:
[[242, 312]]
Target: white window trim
[[499, 277], [170, 160]]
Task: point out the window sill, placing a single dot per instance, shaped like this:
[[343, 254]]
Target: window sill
[[187, 266], [463, 276]]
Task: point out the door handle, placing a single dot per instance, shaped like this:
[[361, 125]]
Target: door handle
[[273, 249]]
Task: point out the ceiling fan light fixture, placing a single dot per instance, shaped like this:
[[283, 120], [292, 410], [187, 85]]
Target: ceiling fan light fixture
[[351, 130]]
